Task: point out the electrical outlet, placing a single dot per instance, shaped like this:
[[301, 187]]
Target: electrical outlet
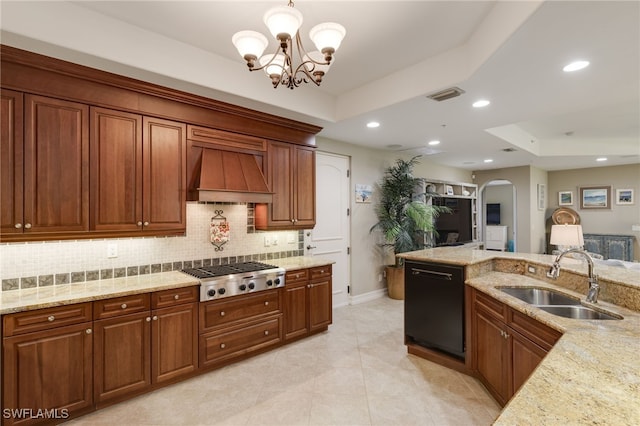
[[379, 278], [267, 241], [274, 240], [531, 269], [291, 238], [112, 250]]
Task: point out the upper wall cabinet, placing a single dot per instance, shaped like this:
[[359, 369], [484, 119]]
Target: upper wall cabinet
[[291, 176], [138, 173], [45, 178]]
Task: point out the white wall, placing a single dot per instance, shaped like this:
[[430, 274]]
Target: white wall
[[503, 195], [367, 167]]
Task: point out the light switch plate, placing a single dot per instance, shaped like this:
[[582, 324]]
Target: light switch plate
[[112, 250]]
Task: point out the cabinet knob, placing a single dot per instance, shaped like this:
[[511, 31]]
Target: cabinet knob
[[221, 313], [293, 221], [27, 226], [266, 332], [17, 225], [88, 331], [51, 318], [139, 223], [148, 319], [146, 224], [266, 303], [123, 306], [177, 296], [155, 318], [322, 271], [222, 346]]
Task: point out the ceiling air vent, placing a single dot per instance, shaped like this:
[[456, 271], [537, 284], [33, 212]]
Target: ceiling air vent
[[445, 94], [509, 149]]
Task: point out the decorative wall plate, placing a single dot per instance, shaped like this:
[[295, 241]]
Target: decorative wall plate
[[565, 216]]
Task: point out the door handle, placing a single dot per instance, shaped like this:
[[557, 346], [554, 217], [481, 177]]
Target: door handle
[[441, 275], [309, 247]]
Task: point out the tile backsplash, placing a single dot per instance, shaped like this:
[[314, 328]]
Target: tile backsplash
[[27, 265]]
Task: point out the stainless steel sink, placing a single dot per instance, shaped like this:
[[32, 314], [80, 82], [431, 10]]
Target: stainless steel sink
[[539, 296], [579, 312]]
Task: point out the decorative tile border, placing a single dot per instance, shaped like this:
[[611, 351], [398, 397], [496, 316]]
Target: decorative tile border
[[81, 276]]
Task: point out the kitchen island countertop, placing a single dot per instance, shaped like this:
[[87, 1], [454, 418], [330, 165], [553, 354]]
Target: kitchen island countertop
[[592, 374]]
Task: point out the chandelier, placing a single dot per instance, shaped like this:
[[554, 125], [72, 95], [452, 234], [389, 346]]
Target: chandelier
[[283, 23]]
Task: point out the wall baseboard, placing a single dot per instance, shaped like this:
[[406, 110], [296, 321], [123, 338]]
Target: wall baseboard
[[369, 296]]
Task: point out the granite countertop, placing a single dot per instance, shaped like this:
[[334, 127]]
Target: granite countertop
[[57, 295], [592, 374]]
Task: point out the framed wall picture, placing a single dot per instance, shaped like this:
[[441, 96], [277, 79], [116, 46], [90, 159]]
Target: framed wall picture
[[595, 197], [565, 198], [363, 193], [624, 196], [541, 197], [448, 189]]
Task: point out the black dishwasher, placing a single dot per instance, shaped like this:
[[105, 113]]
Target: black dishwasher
[[434, 306]]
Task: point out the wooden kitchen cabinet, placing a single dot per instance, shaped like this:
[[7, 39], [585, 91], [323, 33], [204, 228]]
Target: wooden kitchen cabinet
[[143, 340], [291, 177], [508, 345], [138, 173], [46, 362], [45, 178], [308, 301], [233, 328]]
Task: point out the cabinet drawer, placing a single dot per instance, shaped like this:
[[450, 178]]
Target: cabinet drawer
[[298, 275], [229, 343], [43, 319], [109, 308], [175, 296], [320, 272], [533, 330], [491, 306], [219, 313]]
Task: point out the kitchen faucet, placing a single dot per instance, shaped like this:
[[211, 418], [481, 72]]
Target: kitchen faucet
[[594, 288]]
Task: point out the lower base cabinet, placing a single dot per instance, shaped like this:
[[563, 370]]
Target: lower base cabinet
[[308, 301], [508, 345]]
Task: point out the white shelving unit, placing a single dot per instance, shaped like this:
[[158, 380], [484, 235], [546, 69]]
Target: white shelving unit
[[458, 190], [496, 237]]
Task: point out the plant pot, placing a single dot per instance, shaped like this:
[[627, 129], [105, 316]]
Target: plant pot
[[395, 282]]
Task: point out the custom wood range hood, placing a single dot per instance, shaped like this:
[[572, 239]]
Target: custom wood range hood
[[232, 177]]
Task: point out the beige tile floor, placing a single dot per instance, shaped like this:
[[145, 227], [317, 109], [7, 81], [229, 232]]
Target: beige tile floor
[[357, 373]]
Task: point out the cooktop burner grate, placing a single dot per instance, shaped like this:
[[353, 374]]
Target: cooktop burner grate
[[221, 270]]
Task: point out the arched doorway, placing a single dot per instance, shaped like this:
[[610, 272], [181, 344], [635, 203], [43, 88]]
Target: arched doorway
[[500, 194]]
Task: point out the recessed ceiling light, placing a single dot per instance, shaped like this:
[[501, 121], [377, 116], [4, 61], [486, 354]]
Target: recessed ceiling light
[[575, 66], [481, 103], [373, 124], [601, 159], [488, 160], [434, 143]]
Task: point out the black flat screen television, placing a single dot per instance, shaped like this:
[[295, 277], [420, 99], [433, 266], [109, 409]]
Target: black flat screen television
[[453, 228], [493, 214]]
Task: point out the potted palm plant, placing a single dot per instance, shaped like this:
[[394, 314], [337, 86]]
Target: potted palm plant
[[405, 218]]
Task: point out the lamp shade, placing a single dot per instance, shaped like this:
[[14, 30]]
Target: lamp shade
[[276, 67], [283, 20], [250, 43], [327, 35], [566, 235]]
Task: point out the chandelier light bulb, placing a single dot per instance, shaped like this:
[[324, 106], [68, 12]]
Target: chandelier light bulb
[[283, 21]]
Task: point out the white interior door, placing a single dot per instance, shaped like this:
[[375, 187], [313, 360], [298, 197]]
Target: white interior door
[[330, 237]]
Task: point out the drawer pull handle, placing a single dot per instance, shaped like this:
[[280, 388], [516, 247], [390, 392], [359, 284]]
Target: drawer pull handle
[[51, 318], [155, 318], [266, 303], [322, 271], [123, 306], [266, 332], [88, 331], [222, 346], [177, 296], [221, 313], [148, 319]]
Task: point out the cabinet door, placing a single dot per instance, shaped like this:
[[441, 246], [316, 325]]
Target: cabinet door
[[280, 169], [526, 356], [305, 188], [56, 165], [492, 357], [174, 342], [122, 355], [49, 369], [320, 309], [295, 310], [165, 179], [116, 170], [11, 142]]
